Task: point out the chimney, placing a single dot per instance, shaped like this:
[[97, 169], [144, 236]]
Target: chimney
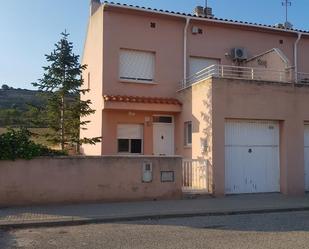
[[204, 12], [199, 11], [94, 5], [208, 12], [288, 25]]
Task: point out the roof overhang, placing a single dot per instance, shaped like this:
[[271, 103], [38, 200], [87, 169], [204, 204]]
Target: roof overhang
[[141, 103]]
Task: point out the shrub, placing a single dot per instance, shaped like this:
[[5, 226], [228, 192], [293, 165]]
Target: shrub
[[17, 144]]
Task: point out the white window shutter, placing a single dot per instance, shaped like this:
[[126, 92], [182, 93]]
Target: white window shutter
[[136, 65], [199, 63], [129, 131]]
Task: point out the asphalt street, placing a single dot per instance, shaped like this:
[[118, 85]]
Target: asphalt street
[[276, 230]]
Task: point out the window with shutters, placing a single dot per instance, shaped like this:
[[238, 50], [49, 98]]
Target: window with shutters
[[130, 138], [136, 66]]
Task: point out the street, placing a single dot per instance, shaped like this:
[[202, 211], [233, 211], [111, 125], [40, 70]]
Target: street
[[277, 230]]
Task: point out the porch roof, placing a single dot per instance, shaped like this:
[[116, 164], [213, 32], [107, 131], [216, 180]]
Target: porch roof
[[141, 103], [141, 99]]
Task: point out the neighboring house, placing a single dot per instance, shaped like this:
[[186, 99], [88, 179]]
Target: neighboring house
[[232, 93]]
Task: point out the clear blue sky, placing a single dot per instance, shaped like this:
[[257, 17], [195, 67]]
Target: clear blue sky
[[29, 28]]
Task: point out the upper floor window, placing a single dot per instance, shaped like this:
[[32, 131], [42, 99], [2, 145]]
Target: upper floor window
[[137, 66], [199, 63]]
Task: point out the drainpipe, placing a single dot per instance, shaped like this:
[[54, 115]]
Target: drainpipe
[[296, 57], [185, 50]]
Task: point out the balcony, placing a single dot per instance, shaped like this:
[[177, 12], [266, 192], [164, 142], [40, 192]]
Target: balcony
[[246, 73]]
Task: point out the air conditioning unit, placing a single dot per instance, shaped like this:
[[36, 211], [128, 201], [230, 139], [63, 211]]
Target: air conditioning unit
[[239, 54]]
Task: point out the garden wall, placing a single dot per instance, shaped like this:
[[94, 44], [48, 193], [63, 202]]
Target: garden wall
[[88, 179]]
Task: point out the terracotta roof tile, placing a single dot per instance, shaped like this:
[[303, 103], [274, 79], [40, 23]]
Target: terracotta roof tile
[[141, 99]]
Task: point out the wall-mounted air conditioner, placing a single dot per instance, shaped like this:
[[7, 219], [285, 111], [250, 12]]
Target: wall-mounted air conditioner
[[239, 54]]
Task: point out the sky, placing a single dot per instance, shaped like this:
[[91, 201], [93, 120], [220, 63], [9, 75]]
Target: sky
[[30, 28]]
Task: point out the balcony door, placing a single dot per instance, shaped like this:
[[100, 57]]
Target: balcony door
[[199, 63]]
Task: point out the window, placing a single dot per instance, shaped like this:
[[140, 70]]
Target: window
[[123, 145], [162, 119], [136, 66], [129, 138], [188, 133], [199, 63]]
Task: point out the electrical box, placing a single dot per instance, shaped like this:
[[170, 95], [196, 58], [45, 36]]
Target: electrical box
[[147, 172]]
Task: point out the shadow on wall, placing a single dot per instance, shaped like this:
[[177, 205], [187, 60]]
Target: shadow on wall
[[206, 139]]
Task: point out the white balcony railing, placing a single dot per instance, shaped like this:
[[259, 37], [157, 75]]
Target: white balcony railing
[[244, 73]]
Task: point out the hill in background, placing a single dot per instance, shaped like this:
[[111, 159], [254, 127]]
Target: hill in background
[[19, 98], [15, 106]]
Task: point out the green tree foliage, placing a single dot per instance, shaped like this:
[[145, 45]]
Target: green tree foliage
[[5, 87], [16, 144], [62, 80]]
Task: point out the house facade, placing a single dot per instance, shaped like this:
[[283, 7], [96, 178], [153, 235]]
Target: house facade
[[234, 94]]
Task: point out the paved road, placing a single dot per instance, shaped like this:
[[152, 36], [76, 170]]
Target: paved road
[[280, 230]]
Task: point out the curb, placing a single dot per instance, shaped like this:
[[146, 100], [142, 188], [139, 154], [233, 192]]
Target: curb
[[98, 220]]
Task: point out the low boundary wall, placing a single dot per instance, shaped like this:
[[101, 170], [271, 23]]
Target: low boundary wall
[[88, 179]]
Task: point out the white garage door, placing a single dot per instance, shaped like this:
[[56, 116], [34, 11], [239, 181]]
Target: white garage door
[[251, 157], [306, 143]]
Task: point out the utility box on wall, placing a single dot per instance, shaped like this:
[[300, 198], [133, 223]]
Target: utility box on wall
[[147, 172]]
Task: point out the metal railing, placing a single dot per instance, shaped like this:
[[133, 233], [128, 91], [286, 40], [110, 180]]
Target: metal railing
[[196, 176], [237, 72]]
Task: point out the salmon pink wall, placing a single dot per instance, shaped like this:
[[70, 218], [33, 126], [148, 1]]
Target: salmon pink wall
[[86, 179], [112, 28], [280, 102], [133, 31], [217, 40], [111, 118], [93, 58]]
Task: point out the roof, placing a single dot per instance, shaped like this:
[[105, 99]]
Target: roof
[[141, 99], [160, 11]]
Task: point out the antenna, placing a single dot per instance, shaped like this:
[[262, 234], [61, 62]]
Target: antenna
[[287, 4]]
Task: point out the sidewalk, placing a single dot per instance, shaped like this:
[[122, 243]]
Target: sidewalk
[[117, 212]]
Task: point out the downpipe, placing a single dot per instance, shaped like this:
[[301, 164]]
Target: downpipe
[[185, 42], [296, 57]]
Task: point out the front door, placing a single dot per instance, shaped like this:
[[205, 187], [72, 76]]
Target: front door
[[163, 136]]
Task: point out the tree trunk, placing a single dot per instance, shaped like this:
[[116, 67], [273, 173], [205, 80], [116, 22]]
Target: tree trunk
[[78, 145], [62, 122]]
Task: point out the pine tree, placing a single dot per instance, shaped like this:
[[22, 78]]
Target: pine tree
[[62, 81]]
